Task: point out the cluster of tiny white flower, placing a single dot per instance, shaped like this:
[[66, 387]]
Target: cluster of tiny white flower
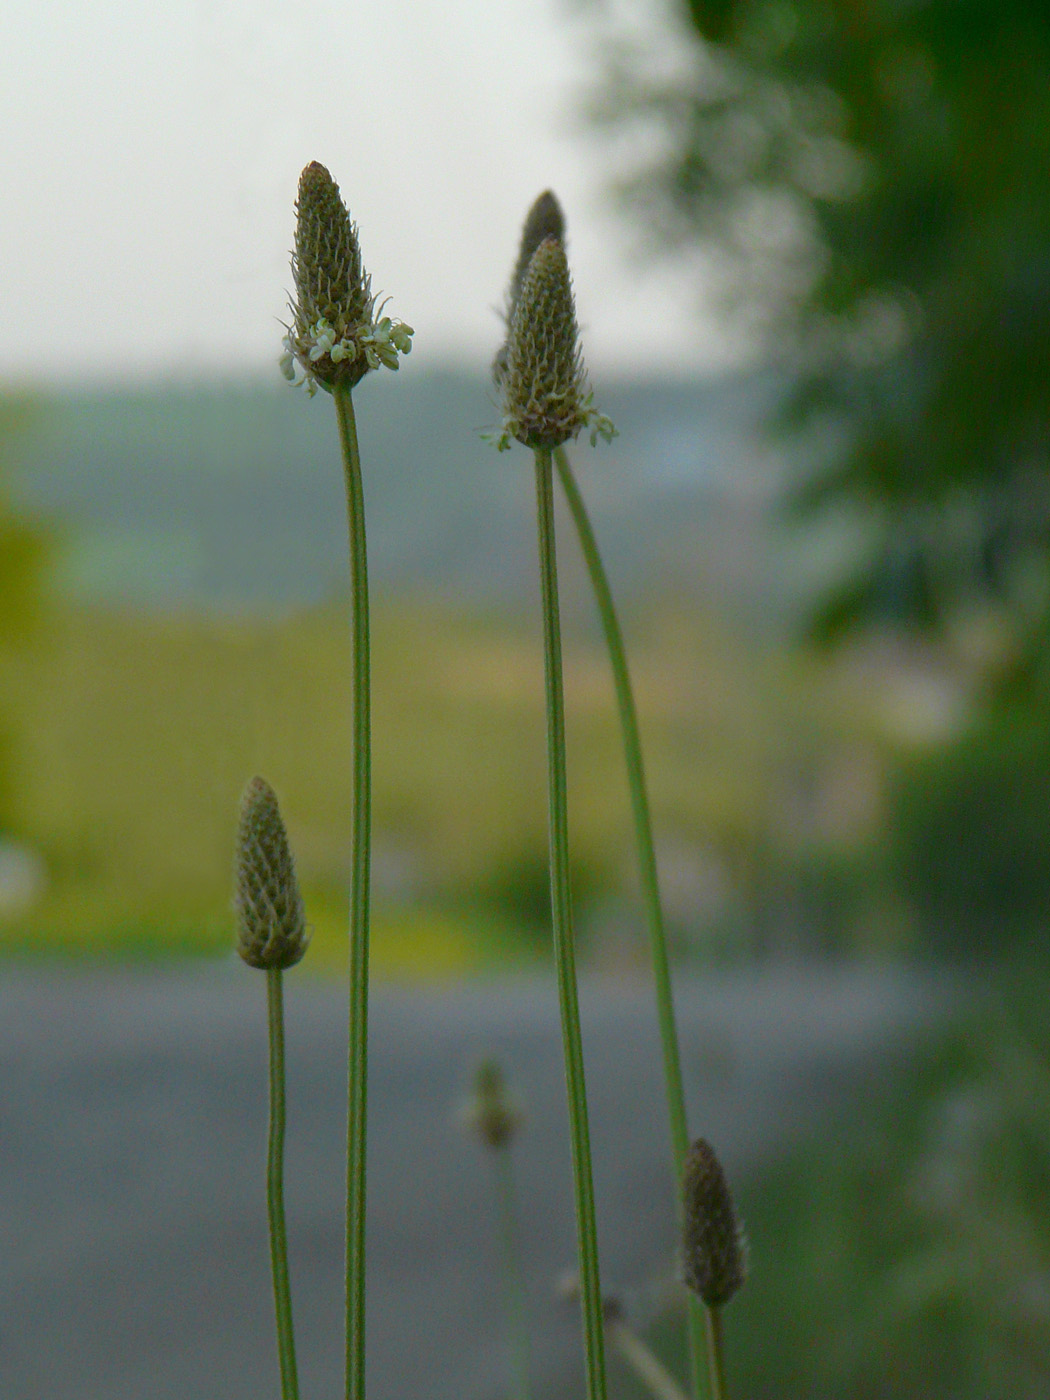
[[599, 425], [289, 367], [325, 344], [384, 342], [379, 344]]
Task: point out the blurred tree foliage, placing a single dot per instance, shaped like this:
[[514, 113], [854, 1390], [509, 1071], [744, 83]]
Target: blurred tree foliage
[[871, 176], [870, 179], [970, 834]]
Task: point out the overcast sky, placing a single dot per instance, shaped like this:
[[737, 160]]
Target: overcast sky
[[151, 153]]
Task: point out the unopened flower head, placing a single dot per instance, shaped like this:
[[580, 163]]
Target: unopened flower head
[[544, 386], [271, 928], [336, 336], [714, 1256]]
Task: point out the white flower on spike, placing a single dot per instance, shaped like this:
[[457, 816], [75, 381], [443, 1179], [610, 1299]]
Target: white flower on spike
[[335, 337]]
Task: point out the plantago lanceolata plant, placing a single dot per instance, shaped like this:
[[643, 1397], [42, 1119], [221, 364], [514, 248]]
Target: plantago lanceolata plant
[[545, 402], [545, 219], [336, 336], [335, 340], [714, 1256], [271, 934]]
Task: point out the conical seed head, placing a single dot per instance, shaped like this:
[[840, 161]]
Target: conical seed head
[[271, 926], [544, 383], [714, 1257], [334, 337], [330, 282], [333, 295]]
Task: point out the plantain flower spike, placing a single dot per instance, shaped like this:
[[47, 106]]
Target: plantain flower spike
[[544, 386], [336, 335], [271, 929], [544, 220], [492, 1112], [713, 1249]]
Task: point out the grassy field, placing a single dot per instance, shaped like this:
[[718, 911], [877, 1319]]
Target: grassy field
[[907, 1256], [133, 735], [905, 1250]]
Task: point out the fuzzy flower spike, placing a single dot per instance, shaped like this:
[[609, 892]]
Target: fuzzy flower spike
[[714, 1254], [271, 929], [544, 385], [336, 336]]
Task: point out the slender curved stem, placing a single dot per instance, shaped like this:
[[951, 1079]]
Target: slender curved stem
[[639, 808], [282, 1292], [644, 1362], [360, 866], [643, 830], [517, 1312], [564, 953]]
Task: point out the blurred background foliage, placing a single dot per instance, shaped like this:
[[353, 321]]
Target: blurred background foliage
[[24, 555], [870, 174], [869, 181], [914, 1247], [196, 633], [839, 629], [840, 645]]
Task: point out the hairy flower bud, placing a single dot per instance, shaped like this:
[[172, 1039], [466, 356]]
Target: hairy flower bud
[[271, 928], [714, 1256], [334, 337], [543, 388], [545, 399], [540, 369]]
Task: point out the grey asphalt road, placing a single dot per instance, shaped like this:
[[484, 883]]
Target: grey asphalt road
[[132, 1135]]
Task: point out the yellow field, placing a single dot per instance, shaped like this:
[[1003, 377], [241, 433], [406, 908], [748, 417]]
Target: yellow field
[[134, 736]]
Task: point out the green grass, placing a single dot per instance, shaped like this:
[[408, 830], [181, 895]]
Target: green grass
[[134, 734], [905, 1251]]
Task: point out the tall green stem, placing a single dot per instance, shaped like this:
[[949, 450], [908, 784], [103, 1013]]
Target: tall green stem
[[517, 1315], [282, 1293], [716, 1353], [360, 865], [643, 831], [564, 952]]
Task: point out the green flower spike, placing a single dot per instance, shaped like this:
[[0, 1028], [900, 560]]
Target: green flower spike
[[272, 936], [271, 927], [335, 336], [544, 385]]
